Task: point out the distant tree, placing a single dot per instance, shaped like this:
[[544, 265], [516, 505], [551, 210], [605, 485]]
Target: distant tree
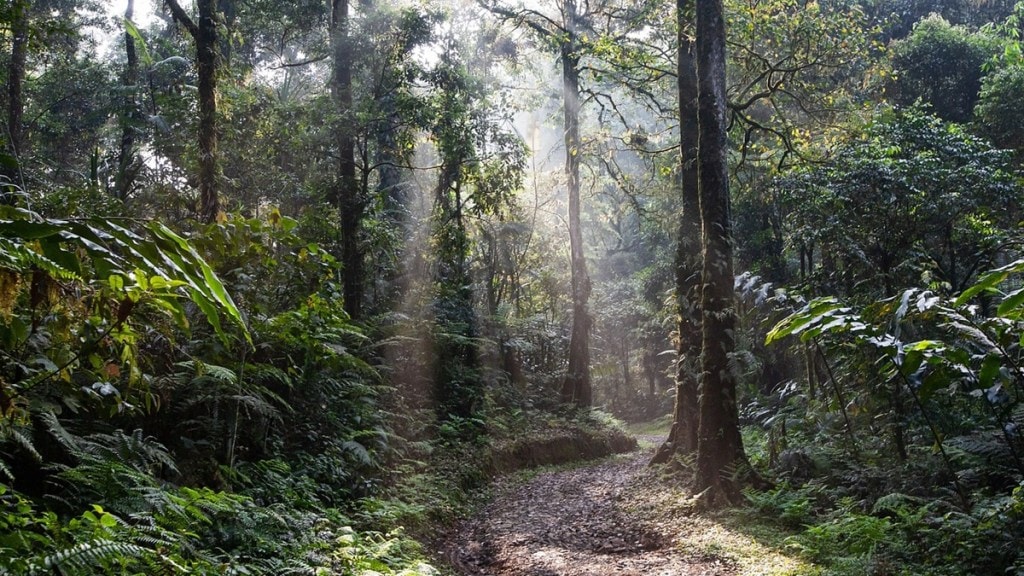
[[912, 199], [127, 157], [18, 18], [941, 65], [564, 35], [999, 114]]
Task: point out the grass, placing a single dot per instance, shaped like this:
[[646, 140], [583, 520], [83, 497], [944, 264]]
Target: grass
[[656, 427]]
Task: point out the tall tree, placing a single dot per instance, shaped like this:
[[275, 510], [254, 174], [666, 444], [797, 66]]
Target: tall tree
[[683, 435], [720, 455], [576, 388], [127, 165], [346, 194], [204, 34], [19, 12]]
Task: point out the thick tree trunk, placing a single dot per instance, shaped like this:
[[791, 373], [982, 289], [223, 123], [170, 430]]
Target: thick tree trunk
[[683, 435], [576, 388], [720, 457], [127, 167], [15, 84], [346, 194]]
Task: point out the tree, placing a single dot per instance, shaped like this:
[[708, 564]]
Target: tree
[[682, 437], [913, 198], [720, 455], [346, 193], [15, 102], [941, 64], [204, 34], [998, 114], [576, 387], [127, 160]]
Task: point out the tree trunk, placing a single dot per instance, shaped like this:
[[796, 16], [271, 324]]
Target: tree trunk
[[720, 456], [127, 167], [576, 388], [15, 84], [206, 60], [682, 437], [204, 33], [346, 194]]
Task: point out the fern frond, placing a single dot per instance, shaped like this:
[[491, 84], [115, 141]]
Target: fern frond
[[143, 453], [210, 372], [23, 441], [257, 405], [6, 471], [59, 433], [21, 258], [87, 554]]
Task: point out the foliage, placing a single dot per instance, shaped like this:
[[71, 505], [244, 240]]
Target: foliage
[[997, 116], [78, 297], [912, 199], [941, 65], [955, 360]]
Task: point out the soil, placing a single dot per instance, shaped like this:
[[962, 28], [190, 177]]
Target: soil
[[600, 519]]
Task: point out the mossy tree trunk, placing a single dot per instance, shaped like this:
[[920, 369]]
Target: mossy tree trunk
[[720, 457], [204, 34], [682, 437], [15, 100], [346, 194]]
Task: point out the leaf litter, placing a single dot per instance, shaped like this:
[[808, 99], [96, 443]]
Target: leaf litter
[[606, 518]]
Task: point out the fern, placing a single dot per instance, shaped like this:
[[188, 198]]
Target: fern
[[92, 553], [143, 454], [20, 437], [17, 256]]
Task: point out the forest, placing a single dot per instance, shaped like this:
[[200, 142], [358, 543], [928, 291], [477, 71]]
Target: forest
[[539, 287]]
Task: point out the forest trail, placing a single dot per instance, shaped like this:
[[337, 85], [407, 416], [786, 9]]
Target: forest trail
[[611, 517]]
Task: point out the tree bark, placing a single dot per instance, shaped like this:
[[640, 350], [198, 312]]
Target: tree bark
[[346, 193], [204, 33], [682, 437], [206, 59], [15, 84], [127, 167], [720, 457], [576, 388]]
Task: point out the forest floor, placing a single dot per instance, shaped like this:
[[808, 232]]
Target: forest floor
[[609, 517]]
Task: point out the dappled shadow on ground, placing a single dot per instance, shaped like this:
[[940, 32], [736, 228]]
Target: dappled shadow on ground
[[583, 521]]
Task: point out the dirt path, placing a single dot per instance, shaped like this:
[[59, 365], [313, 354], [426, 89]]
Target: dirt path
[[585, 521]]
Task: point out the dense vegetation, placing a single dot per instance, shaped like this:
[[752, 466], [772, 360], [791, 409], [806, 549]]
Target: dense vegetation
[[282, 285]]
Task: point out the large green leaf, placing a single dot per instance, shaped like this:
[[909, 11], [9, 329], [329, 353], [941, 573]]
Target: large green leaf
[[113, 250]]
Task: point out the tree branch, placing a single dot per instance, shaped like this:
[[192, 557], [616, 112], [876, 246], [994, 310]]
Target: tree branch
[[182, 17]]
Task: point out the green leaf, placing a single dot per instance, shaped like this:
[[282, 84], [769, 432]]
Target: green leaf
[[989, 281], [213, 288], [990, 368], [1011, 304], [136, 35], [798, 321], [211, 313]]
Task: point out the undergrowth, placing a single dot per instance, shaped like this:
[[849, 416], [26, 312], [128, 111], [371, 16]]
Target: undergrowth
[[895, 533]]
